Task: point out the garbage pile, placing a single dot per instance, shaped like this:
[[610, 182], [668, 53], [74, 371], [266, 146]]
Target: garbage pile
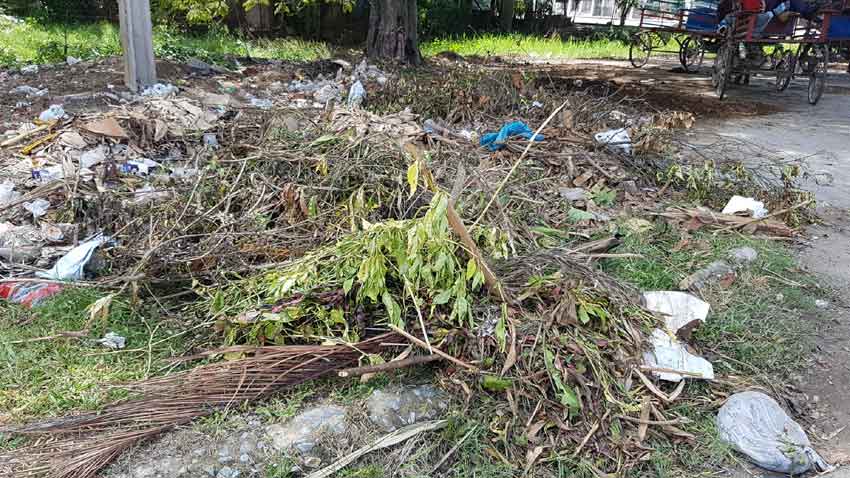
[[295, 222]]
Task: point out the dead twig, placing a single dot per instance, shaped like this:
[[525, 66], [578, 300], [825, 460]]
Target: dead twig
[[433, 349], [384, 367]]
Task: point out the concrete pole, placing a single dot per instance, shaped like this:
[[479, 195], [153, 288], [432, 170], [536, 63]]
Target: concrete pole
[[137, 41]]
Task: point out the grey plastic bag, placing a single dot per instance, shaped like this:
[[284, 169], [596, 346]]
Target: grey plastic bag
[[755, 425]]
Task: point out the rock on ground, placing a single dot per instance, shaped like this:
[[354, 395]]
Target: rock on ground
[[303, 432], [743, 255], [393, 409]]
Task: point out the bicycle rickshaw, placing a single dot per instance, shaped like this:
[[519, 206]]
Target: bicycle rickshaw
[[742, 46], [693, 29]]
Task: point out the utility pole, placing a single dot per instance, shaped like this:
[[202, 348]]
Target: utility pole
[[137, 42]]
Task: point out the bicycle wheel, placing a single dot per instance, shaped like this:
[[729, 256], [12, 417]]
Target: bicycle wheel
[[817, 78], [785, 70], [691, 53], [722, 69], [640, 49]]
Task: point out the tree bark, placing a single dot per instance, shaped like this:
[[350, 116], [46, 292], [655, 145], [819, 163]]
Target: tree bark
[[506, 15], [393, 32]]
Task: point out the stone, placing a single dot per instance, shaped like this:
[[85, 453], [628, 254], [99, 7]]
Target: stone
[[394, 409], [712, 273], [198, 66], [304, 431], [227, 472], [743, 256], [573, 194]]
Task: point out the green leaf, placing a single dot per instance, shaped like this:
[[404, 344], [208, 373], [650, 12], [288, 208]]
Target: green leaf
[[393, 309], [501, 332], [471, 268], [348, 284], [495, 384], [443, 297], [413, 177]]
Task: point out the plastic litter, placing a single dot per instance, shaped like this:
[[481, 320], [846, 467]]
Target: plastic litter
[[139, 167], [72, 60], [712, 273], [48, 174], [744, 204], [8, 194], [70, 266], [148, 194], [19, 244], [678, 309], [573, 194], [327, 93], [160, 90], [38, 208], [29, 91], [496, 141], [356, 95], [29, 70], [92, 157], [211, 140], [262, 103], [755, 425], [28, 294], [618, 139], [55, 112], [113, 341], [669, 353]]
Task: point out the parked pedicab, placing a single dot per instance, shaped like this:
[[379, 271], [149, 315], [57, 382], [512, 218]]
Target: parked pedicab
[[693, 29]]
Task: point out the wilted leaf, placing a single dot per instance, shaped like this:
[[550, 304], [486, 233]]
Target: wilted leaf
[[99, 309], [413, 177]]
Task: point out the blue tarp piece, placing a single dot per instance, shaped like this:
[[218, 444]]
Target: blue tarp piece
[[496, 141]]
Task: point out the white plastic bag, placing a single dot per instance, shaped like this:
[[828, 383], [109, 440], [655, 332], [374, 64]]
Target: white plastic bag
[[755, 425], [55, 112], [744, 204], [70, 266], [616, 139], [356, 95]]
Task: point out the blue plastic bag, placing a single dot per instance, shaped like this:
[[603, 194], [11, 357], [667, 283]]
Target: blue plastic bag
[[496, 141]]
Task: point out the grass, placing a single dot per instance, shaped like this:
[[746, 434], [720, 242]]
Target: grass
[[28, 42], [527, 45], [53, 377], [761, 327]]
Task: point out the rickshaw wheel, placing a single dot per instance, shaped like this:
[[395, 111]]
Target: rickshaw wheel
[[817, 78], [776, 56], [640, 49], [722, 69], [785, 70], [691, 53]]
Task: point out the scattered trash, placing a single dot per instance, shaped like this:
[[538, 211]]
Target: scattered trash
[[327, 93], [748, 205], [537, 104], [70, 266], [262, 103], [821, 304], [755, 425], [573, 194], [356, 95], [55, 112], [72, 61], [148, 194], [160, 90], [29, 91], [38, 208], [669, 354], [8, 194], [183, 173], [199, 67], [616, 139], [48, 174], [106, 127], [93, 157], [113, 341], [19, 244], [72, 139], [712, 273], [496, 141], [211, 140], [28, 294], [56, 232], [139, 167], [743, 255], [29, 70], [679, 310]]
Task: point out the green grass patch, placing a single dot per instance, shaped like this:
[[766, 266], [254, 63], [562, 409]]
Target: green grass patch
[[527, 46], [28, 42], [51, 377], [761, 327]]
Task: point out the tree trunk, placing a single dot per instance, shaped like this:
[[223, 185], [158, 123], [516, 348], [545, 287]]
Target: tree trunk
[[506, 15], [393, 31], [624, 13]]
